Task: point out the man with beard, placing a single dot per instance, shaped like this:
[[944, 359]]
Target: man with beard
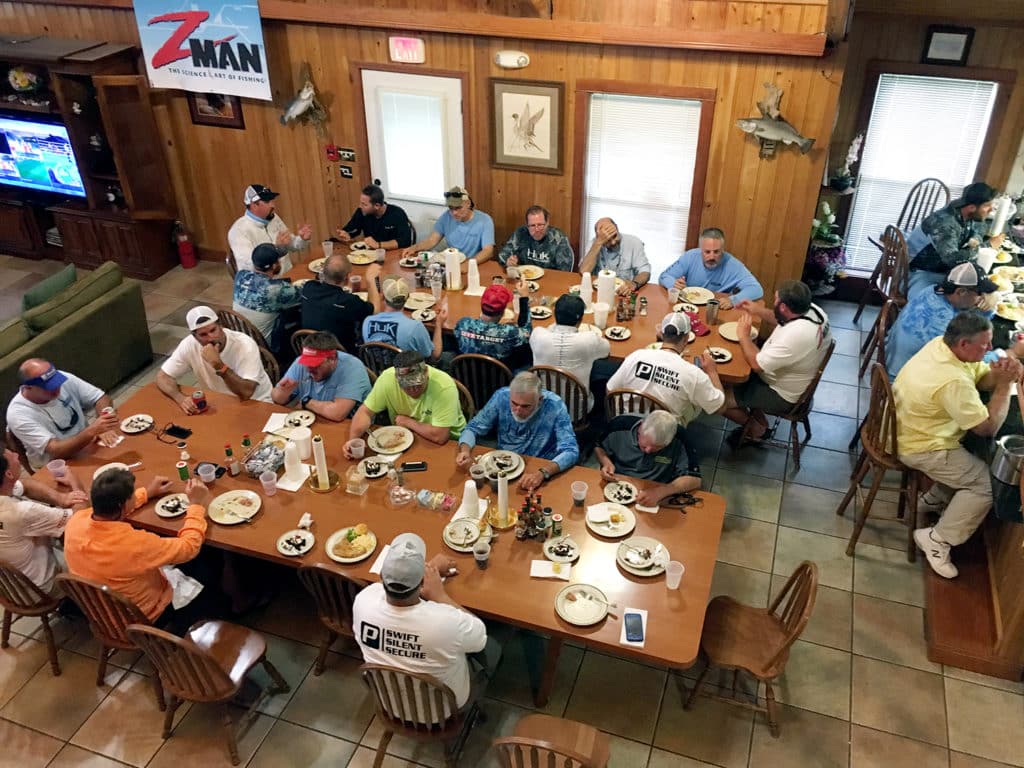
[[265, 299], [783, 368], [714, 268], [381, 224], [623, 254], [324, 380], [261, 224]]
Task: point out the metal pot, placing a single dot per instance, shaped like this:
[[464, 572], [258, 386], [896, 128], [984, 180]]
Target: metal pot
[[1009, 456]]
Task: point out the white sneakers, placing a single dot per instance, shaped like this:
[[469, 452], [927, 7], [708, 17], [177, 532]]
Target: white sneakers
[[937, 552]]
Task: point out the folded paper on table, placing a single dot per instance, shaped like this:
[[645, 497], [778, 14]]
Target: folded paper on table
[[275, 422], [643, 621], [379, 562], [641, 508], [295, 481], [306, 521], [545, 569], [481, 511]]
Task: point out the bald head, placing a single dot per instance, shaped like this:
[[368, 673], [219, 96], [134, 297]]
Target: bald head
[[40, 381], [610, 230], [336, 269], [33, 367]]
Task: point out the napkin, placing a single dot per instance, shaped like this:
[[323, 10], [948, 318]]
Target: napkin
[[276, 422], [641, 508], [293, 482], [184, 588], [545, 569], [643, 620], [482, 504], [306, 521], [379, 562], [598, 513]]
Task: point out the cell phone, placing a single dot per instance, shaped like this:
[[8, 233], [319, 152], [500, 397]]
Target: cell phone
[[413, 466], [179, 432], [634, 627]]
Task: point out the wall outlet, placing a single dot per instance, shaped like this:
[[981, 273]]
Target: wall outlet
[[347, 155], [345, 171]]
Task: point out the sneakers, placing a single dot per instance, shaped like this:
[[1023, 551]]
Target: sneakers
[[937, 552]]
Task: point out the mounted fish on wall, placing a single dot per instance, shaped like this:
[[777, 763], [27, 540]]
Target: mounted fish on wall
[[771, 128], [306, 107]]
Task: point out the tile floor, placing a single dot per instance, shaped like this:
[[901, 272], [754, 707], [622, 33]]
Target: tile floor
[[858, 691]]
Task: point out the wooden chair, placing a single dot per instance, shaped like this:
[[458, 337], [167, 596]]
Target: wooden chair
[[880, 454], [109, 614], [572, 391], [236, 322], [540, 741], [798, 414], [417, 707], [270, 365], [482, 375], [372, 376], [621, 401], [209, 664], [874, 345], [333, 593], [465, 400], [13, 443], [20, 597], [378, 356], [232, 265], [757, 640]]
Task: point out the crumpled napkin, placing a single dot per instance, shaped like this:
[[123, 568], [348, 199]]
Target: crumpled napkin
[[184, 589]]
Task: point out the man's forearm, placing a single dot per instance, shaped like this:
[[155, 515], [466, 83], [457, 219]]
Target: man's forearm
[[332, 410], [590, 258], [486, 254], [69, 446], [998, 407], [242, 388], [360, 422], [436, 435], [750, 353], [168, 386], [41, 491]]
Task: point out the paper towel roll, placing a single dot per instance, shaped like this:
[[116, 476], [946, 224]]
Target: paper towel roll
[[470, 500], [1001, 212], [292, 463], [473, 287], [302, 437], [452, 270], [502, 497], [587, 291], [320, 459], [606, 287]]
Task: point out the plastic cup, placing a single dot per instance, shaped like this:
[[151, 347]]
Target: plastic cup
[[57, 467], [479, 475], [208, 473], [358, 448], [673, 295], [328, 246], [674, 574], [269, 482], [379, 255], [601, 314], [356, 282], [481, 553], [579, 493]]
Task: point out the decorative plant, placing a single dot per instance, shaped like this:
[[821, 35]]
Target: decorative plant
[[852, 156], [823, 227]]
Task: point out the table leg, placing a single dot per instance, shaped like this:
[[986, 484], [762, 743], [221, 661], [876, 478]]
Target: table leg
[[547, 680]]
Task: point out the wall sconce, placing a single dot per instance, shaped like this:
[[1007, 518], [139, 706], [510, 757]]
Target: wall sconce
[[511, 59]]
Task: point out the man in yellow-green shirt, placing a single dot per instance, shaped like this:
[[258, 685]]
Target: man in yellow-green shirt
[[416, 396], [937, 403]]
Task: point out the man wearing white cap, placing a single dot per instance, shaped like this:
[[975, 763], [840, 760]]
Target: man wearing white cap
[[393, 326], [685, 388], [261, 224], [462, 226], [222, 360], [324, 380], [408, 621]]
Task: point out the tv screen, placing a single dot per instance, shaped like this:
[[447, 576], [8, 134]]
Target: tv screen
[[37, 155]]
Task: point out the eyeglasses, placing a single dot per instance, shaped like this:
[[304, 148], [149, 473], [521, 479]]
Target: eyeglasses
[[74, 416]]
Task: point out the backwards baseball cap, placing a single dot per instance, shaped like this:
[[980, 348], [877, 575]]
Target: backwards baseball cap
[[456, 196], [970, 275], [50, 379], [311, 358], [977, 193], [495, 299], [199, 316], [265, 256], [396, 291], [677, 321], [414, 372], [256, 192], [403, 568]]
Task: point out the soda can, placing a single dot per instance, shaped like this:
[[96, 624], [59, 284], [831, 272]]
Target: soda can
[[199, 399], [182, 468]]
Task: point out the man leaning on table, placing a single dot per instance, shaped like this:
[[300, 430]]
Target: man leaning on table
[[327, 305], [381, 224], [416, 396], [462, 226], [711, 266], [537, 243], [623, 254], [323, 379], [529, 421], [222, 360], [261, 224]]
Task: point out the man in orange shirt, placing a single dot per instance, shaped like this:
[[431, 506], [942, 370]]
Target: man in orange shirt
[[101, 545]]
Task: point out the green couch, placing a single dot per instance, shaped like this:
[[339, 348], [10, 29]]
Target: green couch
[[94, 328]]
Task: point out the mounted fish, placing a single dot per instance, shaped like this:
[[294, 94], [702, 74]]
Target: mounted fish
[[771, 128], [306, 107]]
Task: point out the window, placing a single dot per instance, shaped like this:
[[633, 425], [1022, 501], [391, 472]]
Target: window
[[920, 127], [640, 161]]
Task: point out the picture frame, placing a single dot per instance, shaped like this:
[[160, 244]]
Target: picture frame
[[948, 45], [527, 119], [215, 109]]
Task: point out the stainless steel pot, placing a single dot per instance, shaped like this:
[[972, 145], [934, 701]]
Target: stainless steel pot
[[1009, 457]]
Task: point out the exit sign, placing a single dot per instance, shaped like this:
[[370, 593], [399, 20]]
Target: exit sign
[[407, 50]]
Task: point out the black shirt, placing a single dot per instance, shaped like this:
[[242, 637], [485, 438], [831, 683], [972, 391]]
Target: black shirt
[[393, 225], [328, 308], [677, 459]]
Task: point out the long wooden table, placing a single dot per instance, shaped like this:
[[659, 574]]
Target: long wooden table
[[504, 591], [555, 283]]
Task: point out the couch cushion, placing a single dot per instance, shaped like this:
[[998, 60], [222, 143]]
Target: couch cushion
[[12, 336], [91, 287], [44, 290]]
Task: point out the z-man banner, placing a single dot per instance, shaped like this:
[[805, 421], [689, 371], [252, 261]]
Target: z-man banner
[[207, 46]]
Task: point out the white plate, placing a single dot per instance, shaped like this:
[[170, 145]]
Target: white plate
[[111, 465], [334, 538], [530, 272], [685, 306], [514, 469], [438, 256], [694, 294], [621, 492], [362, 257], [359, 245], [419, 300], [533, 285], [1003, 258], [571, 556], [168, 506], [383, 465], [509, 315], [316, 265], [540, 313], [719, 354], [581, 610], [301, 282], [609, 530], [409, 262], [234, 507], [462, 533], [307, 542], [424, 315], [140, 422], [395, 440], [618, 333], [657, 567], [728, 331], [690, 337], [299, 418], [588, 328]]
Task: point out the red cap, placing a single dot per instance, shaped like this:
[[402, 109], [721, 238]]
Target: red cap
[[311, 358], [495, 299]]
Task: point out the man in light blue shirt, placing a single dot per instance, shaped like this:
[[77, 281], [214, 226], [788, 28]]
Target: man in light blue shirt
[[530, 421], [324, 380], [623, 254], [712, 267], [394, 327], [462, 226]]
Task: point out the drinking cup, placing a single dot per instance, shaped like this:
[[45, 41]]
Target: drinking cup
[[673, 296], [380, 254], [479, 475], [328, 246], [674, 574], [269, 482], [601, 314], [579, 493], [481, 553], [436, 288], [357, 448], [208, 473], [356, 282], [57, 467], [711, 312]]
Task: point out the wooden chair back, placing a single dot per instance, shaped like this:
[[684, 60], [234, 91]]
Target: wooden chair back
[[411, 704], [187, 671], [299, 339], [270, 365], [236, 322], [874, 345], [333, 594], [621, 401], [232, 265], [878, 433], [521, 752], [482, 375], [378, 356], [371, 375], [19, 595], [924, 197], [803, 406], [465, 400], [793, 606], [109, 613], [572, 391], [13, 443], [893, 269]]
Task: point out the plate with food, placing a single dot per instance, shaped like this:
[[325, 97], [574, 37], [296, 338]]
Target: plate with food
[[172, 506], [111, 465], [503, 461], [694, 294], [234, 507], [561, 550], [359, 245], [508, 315], [140, 422], [610, 520], [375, 466], [581, 604], [389, 440], [533, 285], [424, 315], [462, 533], [719, 354], [642, 556], [350, 545], [1014, 274], [362, 258], [419, 300], [1010, 311], [540, 313], [409, 262], [1002, 257], [654, 345], [618, 333], [300, 418], [530, 272], [301, 281], [622, 492], [685, 306], [1004, 283], [316, 265], [728, 332], [295, 543]]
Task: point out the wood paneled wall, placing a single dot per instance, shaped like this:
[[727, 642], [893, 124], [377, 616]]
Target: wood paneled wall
[[764, 206]]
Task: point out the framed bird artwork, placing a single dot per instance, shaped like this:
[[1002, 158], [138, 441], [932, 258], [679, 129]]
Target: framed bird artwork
[[215, 109], [527, 119]]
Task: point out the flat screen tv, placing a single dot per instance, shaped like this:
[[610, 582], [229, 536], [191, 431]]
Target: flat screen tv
[[37, 155]]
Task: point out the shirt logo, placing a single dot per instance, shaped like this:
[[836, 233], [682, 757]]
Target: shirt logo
[[657, 374], [392, 642], [383, 330]]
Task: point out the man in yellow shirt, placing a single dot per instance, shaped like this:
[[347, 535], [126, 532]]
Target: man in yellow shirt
[[937, 403]]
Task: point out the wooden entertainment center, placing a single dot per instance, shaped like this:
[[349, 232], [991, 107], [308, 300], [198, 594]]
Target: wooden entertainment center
[[94, 90]]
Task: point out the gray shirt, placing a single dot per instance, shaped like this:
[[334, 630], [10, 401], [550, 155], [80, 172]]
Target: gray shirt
[[677, 459], [36, 425], [627, 261]]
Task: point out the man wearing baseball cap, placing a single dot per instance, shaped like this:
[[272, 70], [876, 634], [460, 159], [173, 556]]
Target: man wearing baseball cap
[[222, 360], [261, 224], [462, 226], [48, 412], [266, 300], [395, 327], [409, 621], [488, 335], [685, 388], [323, 379]]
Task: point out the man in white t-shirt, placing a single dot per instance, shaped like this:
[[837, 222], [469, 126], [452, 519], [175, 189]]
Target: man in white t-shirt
[[408, 621], [261, 224], [222, 360], [685, 388], [563, 345], [783, 368]]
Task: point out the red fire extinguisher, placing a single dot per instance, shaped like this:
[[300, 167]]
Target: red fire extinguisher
[[183, 242]]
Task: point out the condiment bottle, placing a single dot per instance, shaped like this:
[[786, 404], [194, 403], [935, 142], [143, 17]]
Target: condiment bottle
[[246, 442], [231, 461]]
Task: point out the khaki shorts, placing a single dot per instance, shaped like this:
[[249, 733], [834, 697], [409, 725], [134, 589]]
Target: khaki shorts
[[755, 394]]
